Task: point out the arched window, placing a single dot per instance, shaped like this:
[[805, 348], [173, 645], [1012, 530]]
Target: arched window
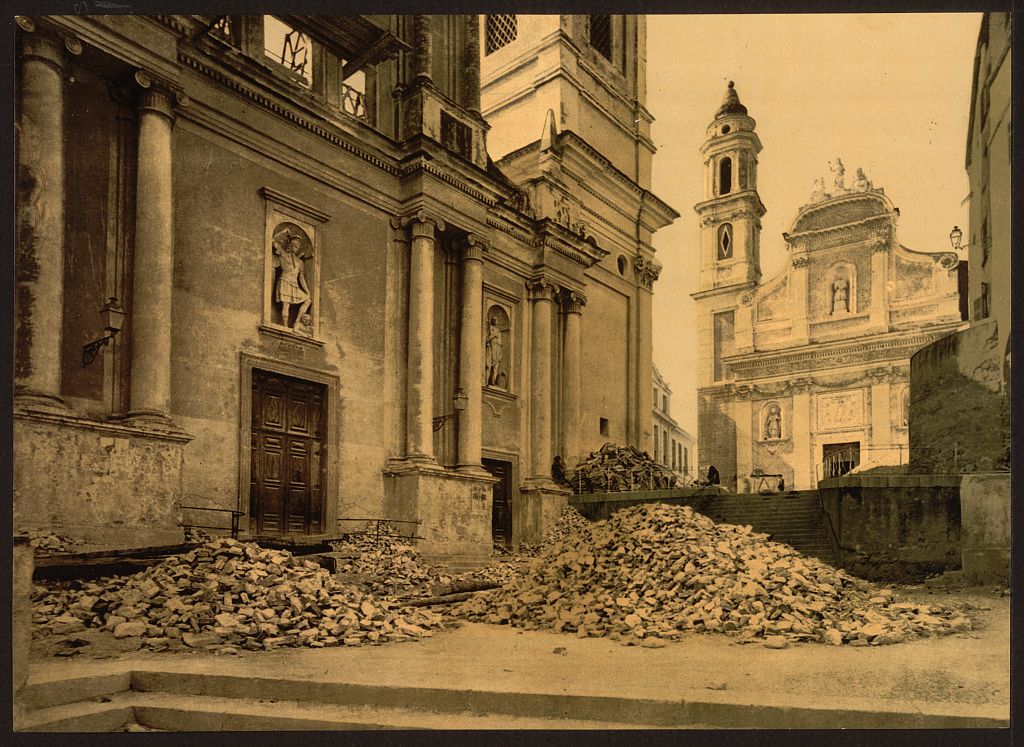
[[725, 176], [725, 241]]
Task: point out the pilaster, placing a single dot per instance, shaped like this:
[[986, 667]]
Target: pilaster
[[471, 355], [572, 308], [542, 297]]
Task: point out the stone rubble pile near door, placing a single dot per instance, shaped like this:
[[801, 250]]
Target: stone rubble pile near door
[[654, 573], [613, 469], [386, 564], [48, 541], [570, 522], [227, 595]]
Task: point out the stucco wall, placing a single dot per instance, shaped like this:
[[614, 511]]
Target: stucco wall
[[896, 527], [91, 481], [985, 527], [956, 402], [605, 374]]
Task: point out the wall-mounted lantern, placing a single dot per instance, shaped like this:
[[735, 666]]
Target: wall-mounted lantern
[[459, 402], [113, 319]]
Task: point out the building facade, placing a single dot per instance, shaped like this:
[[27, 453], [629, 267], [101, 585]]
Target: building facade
[[267, 264], [673, 446], [806, 375]]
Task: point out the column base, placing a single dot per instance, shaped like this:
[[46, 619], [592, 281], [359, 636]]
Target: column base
[[540, 505], [31, 400], [472, 470], [155, 421]]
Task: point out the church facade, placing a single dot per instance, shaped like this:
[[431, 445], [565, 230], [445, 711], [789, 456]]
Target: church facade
[[267, 265], [806, 375]]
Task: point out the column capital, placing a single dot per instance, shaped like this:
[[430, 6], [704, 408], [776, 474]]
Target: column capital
[[473, 248], [47, 46], [158, 95], [800, 261], [572, 301], [423, 223], [542, 289], [647, 271]]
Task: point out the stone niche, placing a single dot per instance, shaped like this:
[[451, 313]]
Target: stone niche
[[102, 483]]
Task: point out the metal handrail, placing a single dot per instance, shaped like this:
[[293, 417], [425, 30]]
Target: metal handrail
[[235, 515], [377, 521]]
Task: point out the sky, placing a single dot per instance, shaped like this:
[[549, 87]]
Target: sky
[[889, 93]]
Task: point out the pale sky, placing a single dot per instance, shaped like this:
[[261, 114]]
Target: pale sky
[[889, 93]]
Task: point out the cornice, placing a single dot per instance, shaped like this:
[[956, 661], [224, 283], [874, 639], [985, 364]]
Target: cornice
[[421, 165]]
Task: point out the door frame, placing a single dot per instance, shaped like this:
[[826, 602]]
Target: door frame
[[512, 457], [332, 442]]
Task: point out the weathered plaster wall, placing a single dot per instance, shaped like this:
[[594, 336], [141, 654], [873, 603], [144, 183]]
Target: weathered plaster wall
[[605, 363], [985, 527], [895, 527], [535, 512], [21, 623], [957, 402], [92, 480], [716, 437], [218, 309]]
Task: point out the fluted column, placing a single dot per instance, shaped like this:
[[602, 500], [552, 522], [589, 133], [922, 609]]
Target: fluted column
[[152, 272], [420, 391], [542, 296], [471, 62], [39, 265], [423, 52], [471, 355], [396, 336], [572, 307]]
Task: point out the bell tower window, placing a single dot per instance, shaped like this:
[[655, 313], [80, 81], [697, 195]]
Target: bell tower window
[[725, 176], [500, 31], [601, 35], [725, 241]]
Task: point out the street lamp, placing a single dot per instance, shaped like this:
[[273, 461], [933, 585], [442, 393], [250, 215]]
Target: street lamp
[[459, 402], [955, 237], [113, 319]]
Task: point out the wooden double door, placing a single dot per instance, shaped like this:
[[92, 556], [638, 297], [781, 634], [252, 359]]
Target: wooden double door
[[289, 450], [501, 501]]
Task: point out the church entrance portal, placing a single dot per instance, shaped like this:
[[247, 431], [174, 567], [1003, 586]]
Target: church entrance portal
[[501, 502], [288, 449]]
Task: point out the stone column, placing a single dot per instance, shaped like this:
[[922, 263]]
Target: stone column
[[39, 262], [471, 355], [647, 271], [882, 417], [396, 335], [879, 283], [471, 62], [542, 296], [423, 51], [152, 272], [798, 300], [572, 308], [802, 429], [420, 396]]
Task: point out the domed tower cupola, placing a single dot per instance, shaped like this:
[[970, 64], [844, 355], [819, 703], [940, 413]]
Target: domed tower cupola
[[731, 211]]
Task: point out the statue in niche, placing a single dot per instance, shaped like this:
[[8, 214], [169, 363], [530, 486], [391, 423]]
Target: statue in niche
[[292, 288], [493, 375], [861, 183], [840, 171], [773, 422], [840, 295]]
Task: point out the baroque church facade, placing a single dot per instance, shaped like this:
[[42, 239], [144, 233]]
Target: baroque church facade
[[269, 269], [806, 375]]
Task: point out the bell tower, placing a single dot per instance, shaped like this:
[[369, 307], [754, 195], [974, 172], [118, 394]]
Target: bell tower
[[730, 214]]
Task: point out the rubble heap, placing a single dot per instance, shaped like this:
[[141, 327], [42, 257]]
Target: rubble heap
[[386, 564], [48, 541], [570, 522], [226, 593], [654, 572], [614, 468]]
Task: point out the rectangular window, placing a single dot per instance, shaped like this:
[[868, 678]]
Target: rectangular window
[[289, 48], [664, 448], [657, 440], [985, 300], [601, 35], [655, 400], [499, 31], [664, 403], [724, 324], [604, 426], [686, 460]]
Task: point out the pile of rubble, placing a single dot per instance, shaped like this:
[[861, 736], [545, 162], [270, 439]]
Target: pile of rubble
[[655, 573], [612, 469], [386, 564], [226, 595], [570, 522], [48, 541]]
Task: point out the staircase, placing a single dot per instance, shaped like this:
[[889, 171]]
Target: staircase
[[794, 518]]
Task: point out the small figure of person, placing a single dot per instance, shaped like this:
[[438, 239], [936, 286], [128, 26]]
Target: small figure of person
[[493, 353], [840, 172], [713, 477], [291, 283], [861, 183], [782, 484], [840, 295], [558, 471]]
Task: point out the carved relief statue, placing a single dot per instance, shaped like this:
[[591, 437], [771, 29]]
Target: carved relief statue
[[840, 171], [862, 183], [773, 422], [818, 190], [493, 375], [292, 288], [840, 295]]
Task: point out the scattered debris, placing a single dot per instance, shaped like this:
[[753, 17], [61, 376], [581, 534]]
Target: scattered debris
[[228, 594], [613, 468], [657, 572], [569, 523], [48, 541]]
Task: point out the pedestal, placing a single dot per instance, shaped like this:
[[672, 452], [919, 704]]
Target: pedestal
[[539, 506]]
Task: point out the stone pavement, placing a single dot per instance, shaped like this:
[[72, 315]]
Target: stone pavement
[[956, 680]]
